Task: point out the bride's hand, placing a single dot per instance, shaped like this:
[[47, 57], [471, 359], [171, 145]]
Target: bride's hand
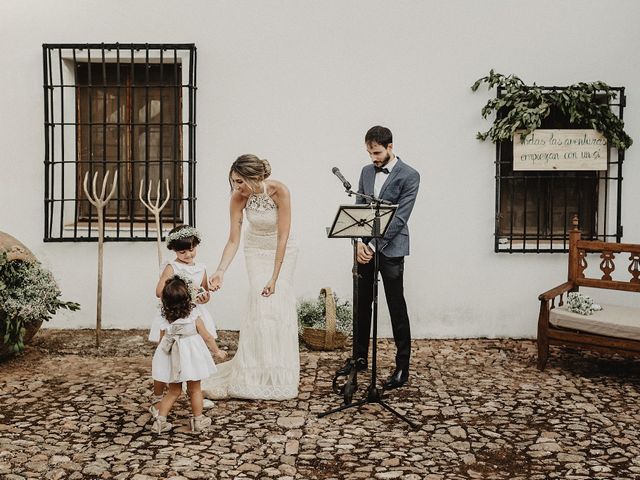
[[215, 281], [269, 289]]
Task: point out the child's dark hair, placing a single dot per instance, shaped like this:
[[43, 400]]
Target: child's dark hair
[[176, 299], [183, 237]]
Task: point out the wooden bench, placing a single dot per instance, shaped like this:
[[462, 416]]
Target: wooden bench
[[614, 329]]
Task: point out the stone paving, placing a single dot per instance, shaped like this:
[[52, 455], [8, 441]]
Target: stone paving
[[68, 411]]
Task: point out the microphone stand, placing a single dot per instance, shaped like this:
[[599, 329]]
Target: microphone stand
[[351, 383], [374, 394]]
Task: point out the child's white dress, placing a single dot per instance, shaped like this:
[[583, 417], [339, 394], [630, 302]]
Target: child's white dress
[[196, 273], [182, 354]]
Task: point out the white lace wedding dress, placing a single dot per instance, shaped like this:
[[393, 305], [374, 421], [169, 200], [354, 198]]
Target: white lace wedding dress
[[266, 365]]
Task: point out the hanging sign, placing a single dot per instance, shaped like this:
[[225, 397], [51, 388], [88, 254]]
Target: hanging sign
[[560, 150]]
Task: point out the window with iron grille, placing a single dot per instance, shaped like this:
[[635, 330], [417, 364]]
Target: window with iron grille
[[125, 108], [534, 208]]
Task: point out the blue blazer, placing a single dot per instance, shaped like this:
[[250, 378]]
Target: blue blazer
[[400, 188]]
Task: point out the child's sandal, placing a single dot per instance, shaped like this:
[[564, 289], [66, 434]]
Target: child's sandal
[[199, 423], [160, 425], [152, 409]]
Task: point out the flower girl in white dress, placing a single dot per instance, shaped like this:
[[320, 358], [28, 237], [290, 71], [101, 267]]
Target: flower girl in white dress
[[182, 354], [266, 365], [184, 241]]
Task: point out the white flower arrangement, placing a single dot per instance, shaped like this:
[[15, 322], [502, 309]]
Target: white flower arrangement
[[186, 232], [581, 304], [311, 313], [191, 288]]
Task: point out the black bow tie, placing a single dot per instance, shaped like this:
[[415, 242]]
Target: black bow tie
[[381, 169]]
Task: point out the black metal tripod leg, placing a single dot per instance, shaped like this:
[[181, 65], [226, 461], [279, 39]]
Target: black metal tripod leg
[[341, 408], [398, 414]]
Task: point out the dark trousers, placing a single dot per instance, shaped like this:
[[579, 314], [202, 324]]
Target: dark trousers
[[392, 271]]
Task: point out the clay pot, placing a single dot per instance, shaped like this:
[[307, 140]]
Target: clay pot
[[17, 251]]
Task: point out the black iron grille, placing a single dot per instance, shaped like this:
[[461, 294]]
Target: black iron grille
[[534, 208], [125, 108]]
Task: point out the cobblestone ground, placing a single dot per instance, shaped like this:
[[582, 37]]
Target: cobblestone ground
[[68, 411]]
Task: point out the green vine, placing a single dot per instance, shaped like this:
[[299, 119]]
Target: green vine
[[524, 107], [28, 294]]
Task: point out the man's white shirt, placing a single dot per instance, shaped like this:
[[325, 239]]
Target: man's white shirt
[[381, 177]]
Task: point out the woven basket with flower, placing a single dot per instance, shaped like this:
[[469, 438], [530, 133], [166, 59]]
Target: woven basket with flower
[[327, 338]]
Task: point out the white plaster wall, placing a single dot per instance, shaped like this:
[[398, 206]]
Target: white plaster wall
[[299, 83]]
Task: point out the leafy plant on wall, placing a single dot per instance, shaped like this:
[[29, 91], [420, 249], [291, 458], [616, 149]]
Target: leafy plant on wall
[[524, 107]]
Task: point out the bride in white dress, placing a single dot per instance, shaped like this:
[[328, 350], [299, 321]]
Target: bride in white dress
[[267, 363]]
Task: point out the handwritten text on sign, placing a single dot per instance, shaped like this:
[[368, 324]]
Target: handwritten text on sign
[[560, 150]]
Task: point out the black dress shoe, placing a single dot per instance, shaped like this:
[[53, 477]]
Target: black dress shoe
[[398, 378], [361, 364]]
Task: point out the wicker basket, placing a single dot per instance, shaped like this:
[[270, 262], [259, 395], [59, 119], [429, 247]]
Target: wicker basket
[[329, 338]]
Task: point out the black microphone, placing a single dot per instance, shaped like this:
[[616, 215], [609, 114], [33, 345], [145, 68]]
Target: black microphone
[[336, 172]]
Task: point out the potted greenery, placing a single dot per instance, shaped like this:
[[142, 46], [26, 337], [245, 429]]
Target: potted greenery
[[29, 295], [324, 322], [522, 108]]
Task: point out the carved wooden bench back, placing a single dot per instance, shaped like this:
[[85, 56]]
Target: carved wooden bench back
[[625, 254]]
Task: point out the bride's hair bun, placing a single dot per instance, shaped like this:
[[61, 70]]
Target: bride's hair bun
[[250, 167], [267, 167]]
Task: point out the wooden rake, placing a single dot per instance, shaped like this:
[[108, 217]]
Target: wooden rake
[[155, 208], [99, 201]]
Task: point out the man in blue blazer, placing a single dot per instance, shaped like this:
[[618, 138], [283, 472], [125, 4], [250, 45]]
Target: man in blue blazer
[[388, 178]]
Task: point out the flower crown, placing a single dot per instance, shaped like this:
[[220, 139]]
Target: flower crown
[[185, 232], [190, 286]]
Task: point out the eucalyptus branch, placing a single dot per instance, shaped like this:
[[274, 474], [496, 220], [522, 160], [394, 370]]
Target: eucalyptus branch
[[522, 107]]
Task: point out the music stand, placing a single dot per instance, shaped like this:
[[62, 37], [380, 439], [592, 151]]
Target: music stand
[[358, 221], [355, 222]]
